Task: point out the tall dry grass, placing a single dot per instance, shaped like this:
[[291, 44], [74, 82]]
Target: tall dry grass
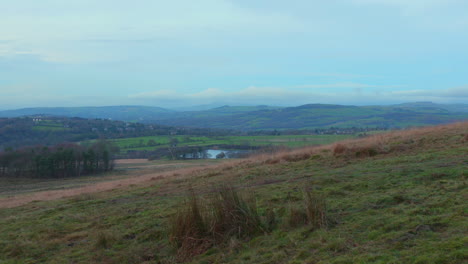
[[389, 142], [199, 224], [312, 212], [226, 215]]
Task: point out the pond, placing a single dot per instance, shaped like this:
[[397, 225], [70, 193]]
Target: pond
[[216, 154]]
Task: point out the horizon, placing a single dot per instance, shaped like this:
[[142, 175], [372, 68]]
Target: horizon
[[238, 52], [214, 106]]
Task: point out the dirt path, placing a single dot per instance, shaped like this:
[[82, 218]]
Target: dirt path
[[22, 199]]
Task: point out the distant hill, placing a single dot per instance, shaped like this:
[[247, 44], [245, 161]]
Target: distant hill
[[123, 113], [145, 114], [264, 117], [463, 108], [48, 130], [322, 115]]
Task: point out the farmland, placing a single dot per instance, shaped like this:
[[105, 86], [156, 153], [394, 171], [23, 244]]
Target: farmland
[[293, 141]]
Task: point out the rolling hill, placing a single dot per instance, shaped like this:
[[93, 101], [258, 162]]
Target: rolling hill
[[122, 113], [321, 116], [309, 116]]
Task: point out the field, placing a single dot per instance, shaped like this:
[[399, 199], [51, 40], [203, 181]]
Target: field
[[391, 198], [152, 142], [49, 125], [127, 172]]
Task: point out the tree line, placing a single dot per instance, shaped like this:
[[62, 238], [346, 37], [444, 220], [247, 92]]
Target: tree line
[[63, 160], [29, 131]]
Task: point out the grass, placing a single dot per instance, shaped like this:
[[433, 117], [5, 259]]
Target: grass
[[198, 226], [141, 143], [48, 125], [406, 203], [124, 169]]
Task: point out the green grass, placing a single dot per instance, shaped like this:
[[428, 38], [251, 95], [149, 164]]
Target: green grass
[[126, 144], [404, 205], [49, 125]]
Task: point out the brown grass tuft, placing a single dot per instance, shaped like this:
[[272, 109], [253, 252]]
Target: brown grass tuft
[[297, 156], [339, 149], [297, 217], [104, 240], [198, 226], [313, 212], [316, 210]]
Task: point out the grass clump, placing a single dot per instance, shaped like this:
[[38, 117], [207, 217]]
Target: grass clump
[[225, 215], [316, 210], [233, 216], [188, 231], [312, 213], [104, 240]]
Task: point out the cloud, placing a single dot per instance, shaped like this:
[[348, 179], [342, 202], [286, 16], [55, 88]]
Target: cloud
[[32, 97], [56, 31], [347, 85], [458, 92], [413, 5], [431, 14]]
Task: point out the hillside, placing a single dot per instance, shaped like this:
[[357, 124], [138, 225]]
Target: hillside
[[309, 116], [130, 113], [391, 198], [122, 113], [50, 130], [322, 116]]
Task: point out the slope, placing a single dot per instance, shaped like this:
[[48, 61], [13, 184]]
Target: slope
[[393, 198], [322, 116]]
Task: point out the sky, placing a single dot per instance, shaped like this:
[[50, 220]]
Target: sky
[[182, 53]]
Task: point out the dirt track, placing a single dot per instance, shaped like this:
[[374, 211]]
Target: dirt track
[[145, 177]]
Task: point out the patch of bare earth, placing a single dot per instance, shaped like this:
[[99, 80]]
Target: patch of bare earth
[[144, 177], [131, 161]]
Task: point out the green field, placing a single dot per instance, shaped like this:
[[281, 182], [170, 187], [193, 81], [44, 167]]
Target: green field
[[293, 141], [397, 198], [49, 125]]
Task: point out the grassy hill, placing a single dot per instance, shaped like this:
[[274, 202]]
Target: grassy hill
[[391, 198], [322, 116]]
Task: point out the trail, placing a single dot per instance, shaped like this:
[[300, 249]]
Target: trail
[[138, 180]]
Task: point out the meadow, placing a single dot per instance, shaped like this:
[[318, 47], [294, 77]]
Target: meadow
[[293, 141], [391, 198]]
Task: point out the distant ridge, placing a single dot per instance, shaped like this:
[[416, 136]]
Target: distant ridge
[[123, 112], [313, 116], [263, 117]]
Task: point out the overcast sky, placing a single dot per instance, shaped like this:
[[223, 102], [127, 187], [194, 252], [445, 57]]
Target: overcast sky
[[240, 52]]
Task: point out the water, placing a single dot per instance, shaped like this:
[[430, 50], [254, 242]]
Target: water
[[216, 154]]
